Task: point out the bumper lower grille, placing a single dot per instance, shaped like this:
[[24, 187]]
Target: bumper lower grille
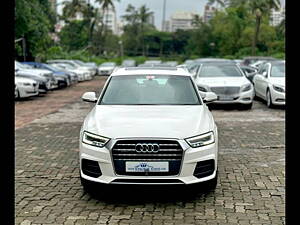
[[204, 168], [169, 151], [90, 168], [225, 90]]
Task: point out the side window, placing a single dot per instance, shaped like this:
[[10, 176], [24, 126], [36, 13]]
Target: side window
[[265, 69]]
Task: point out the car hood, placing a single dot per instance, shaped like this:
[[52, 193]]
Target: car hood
[[23, 79], [149, 121], [278, 80], [222, 81]]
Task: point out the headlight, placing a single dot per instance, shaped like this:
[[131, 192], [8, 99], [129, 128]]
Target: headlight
[[94, 140], [201, 140], [25, 84], [246, 87], [278, 88], [203, 89]]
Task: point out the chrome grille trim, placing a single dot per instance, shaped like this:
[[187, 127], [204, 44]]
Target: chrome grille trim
[[125, 150], [226, 90]]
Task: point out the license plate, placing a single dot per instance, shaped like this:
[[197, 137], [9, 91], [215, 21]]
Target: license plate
[[147, 166], [225, 98]]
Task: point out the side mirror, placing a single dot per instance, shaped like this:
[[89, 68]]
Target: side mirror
[[89, 97], [209, 97], [264, 74]]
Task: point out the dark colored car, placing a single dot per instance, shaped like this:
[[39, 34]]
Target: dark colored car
[[64, 79]]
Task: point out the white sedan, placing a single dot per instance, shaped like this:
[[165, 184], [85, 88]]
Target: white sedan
[[25, 87], [269, 83], [227, 81]]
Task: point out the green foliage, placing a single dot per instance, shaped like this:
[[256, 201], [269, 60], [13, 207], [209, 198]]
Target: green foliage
[[34, 20], [74, 36]]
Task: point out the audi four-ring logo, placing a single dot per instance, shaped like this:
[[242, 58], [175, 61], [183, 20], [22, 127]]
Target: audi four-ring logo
[[143, 147]]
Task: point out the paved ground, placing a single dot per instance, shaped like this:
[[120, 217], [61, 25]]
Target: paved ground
[[251, 186]]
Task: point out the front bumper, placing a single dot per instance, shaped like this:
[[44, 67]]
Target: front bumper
[[191, 156], [28, 91], [241, 98], [278, 98]]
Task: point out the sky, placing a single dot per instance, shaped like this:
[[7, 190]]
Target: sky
[[156, 6]]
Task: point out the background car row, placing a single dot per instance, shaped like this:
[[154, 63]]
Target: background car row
[[233, 81], [34, 78]]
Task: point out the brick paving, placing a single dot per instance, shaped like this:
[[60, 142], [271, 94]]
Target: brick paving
[[251, 185]]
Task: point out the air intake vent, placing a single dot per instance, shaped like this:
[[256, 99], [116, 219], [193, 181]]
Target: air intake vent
[[90, 168], [204, 168]]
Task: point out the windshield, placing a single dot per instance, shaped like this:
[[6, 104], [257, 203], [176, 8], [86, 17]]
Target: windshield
[[65, 65], [150, 90], [278, 70], [219, 71], [108, 64]]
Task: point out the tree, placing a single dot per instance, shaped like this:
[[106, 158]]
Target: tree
[[144, 15], [33, 22]]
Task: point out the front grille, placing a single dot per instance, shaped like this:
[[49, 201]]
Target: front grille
[[170, 151], [204, 168], [225, 90]]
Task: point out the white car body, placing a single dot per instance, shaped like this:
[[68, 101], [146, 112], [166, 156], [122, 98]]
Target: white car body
[[75, 65], [51, 83], [264, 82], [82, 74], [229, 89], [105, 69], [25, 87], [149, 124]]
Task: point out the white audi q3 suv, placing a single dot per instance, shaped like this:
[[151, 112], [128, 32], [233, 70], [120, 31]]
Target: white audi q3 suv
[[149, 126]]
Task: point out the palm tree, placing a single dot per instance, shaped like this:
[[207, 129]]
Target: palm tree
[[144, 15], [105, 5], [72, 8], [259, 8]]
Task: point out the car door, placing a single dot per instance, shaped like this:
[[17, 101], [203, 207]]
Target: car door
[[259, 81], [264, 81]]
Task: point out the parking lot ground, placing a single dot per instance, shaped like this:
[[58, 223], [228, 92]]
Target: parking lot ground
[[251, 183]]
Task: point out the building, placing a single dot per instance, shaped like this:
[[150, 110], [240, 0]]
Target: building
[[277, 16], [151, 19], [109, 18], [209, 12], [181, 20]]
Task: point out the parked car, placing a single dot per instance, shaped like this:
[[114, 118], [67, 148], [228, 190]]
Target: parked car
[[129, 63], [82, 74], [149, 126], [171, 63], [26, 69], [195, 66], [227, 81], [75, 65], [153, 62], [92, 67], [42, 81], [25, 87], [106, 68], [249, 72], [63, 79], [269, 83]]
